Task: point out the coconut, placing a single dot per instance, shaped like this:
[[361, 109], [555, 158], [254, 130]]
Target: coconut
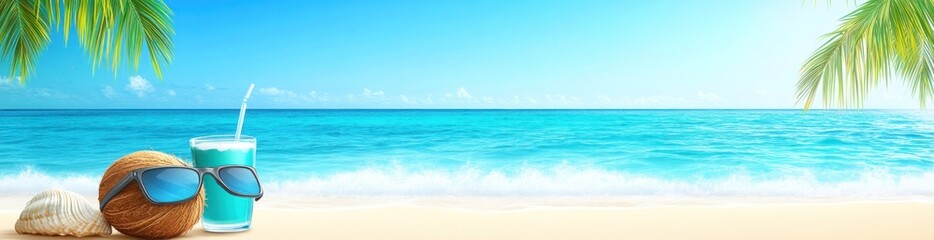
[[130, 213]]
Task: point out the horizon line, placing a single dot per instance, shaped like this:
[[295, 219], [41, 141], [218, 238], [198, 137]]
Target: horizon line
[[476, 109]]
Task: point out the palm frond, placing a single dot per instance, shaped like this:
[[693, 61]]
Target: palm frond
[[94, 24], [117, 30], [878, 40], [23, 34], [112, 32], [920, 71], [144, 21]]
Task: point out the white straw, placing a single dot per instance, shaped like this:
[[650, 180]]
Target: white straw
[[243, 112]]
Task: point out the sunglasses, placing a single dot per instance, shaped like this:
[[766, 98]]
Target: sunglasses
[[170, 185]]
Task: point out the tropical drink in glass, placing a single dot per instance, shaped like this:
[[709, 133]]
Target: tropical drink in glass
[[223, 211]]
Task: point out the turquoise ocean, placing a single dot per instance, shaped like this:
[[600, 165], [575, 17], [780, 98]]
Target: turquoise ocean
[[869, 154]]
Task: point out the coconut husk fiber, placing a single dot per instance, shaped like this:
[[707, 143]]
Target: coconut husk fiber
[[130, 213]]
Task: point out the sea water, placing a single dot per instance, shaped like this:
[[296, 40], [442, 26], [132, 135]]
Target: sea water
[[224, 212], [314, 154]]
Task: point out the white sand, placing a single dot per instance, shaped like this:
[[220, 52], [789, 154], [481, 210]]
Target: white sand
[[881, 220]]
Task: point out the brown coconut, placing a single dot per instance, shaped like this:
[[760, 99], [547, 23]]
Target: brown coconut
[[129, 211]]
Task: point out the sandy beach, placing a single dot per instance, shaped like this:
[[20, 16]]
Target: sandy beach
[[880, 220]]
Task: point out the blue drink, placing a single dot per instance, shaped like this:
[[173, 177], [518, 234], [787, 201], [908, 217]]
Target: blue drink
[[224, 212]]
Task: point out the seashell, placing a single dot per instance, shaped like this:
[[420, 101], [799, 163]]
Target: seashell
[[57, 212]]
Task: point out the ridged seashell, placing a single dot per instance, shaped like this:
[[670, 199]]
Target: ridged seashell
[[57, 212]]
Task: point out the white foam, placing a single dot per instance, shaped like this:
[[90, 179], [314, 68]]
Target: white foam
[[29, 182], [558, 182], [565, 181], [224, 146]]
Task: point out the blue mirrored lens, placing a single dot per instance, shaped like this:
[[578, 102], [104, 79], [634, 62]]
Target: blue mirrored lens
[[240, 180], [165, 185]]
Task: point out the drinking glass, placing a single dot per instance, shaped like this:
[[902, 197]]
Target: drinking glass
[[224, 212]]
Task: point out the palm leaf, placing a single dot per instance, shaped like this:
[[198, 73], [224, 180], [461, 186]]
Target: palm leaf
[[23, 34], [117, 30], [874, 43], [145, 21], [110, 31]]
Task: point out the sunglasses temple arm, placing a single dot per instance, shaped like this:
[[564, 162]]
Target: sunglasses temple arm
[[260, 186], [116, 189]]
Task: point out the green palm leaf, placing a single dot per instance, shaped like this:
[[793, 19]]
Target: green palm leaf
[[880, 40], [110, 31], [149, 22], [23, 34]]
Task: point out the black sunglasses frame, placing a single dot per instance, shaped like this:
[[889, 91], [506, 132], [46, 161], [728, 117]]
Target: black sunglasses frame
[[137, 175]]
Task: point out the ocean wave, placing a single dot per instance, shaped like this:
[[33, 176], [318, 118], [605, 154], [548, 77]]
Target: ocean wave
[[30, 181], [563, 181], [559, 181]]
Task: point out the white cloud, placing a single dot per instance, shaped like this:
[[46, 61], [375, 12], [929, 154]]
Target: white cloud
[[139, 86], [282, 95], [11, 86], [367, 93], [109, 92], [657, 101], [273, 91], [706, 96], [462, 93], [604, 98], [533, 101], [170, 92], [209, 87], [314, 96], [488, 99], [4, 80], [405, 99], [515, 99], [7, 85], [556, 98]]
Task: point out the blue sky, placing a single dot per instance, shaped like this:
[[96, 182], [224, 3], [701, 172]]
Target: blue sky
[[459, 54]]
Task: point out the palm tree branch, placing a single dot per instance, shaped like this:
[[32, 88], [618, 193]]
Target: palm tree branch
[[873, 43], [149, 22], [110, 31], [24, 34]]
